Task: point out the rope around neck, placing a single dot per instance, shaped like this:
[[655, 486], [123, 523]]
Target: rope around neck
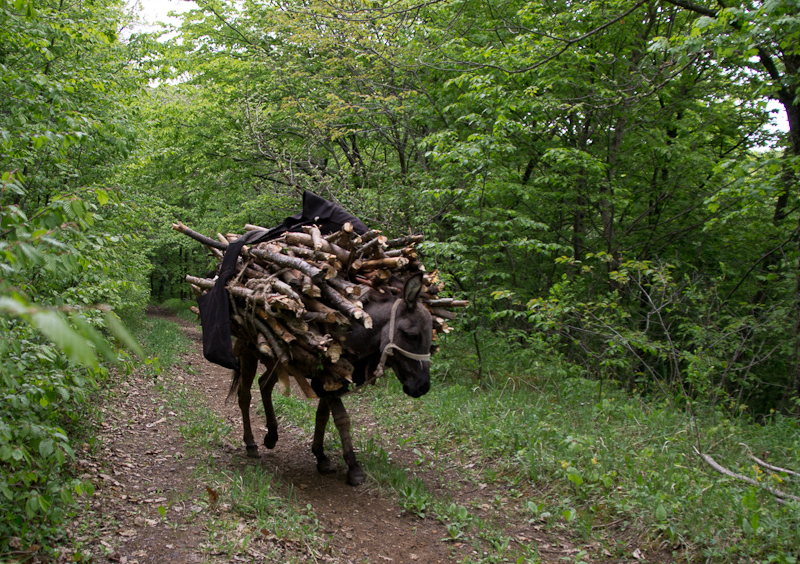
[[391, 347]]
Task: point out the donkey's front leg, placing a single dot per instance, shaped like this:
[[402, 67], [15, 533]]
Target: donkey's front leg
[[248, 363], [324, 465], [266, 383], [354, 473]]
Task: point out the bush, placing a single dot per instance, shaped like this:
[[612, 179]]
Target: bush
[[42, 395], [677, 338]]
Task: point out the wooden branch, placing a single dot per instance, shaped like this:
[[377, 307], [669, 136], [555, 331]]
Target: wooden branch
[[310, 289], [408, 252], [404, 241], [370, 235], [275, 346], [318, 317], [303, 383], [346, 287], [722, 470], [289, 262], [345, 306], [771, 467], [324, 246], [180, 227], [334, 352], [285, 289], [316, 238], [343, 236], [387, 262], [300, 355], [262, 344], [280, 330], [204, 283], [371, 246], [448, 302], [318, 307], [443, 313]]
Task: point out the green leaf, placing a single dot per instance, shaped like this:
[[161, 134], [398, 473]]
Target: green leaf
[[67, 339], [575, 479], [119, 331], [46, 448], [31, 506], [95, 337], [102, 196], [661, 512], [66, 497]]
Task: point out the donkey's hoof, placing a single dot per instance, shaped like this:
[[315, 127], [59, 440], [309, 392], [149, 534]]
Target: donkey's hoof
[[270, 442], [355, 476], [325, 466], [252, 451]]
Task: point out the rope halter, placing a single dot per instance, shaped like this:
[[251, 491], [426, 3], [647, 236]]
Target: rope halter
[[391, 347]]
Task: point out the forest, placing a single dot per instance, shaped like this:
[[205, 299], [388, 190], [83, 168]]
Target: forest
[[613, 185]]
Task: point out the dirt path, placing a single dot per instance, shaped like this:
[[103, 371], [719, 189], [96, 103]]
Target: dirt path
[[150, 507]]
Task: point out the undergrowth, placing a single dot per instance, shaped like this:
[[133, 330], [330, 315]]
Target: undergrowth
[[43, 403], [595, 460], [247, 505]]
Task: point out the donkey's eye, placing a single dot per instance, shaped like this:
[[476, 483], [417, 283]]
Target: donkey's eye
[[414, 337]]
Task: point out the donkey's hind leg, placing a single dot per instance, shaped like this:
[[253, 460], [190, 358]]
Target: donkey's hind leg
[[324, 465], [266, 383], [248, 363], [354, 473]]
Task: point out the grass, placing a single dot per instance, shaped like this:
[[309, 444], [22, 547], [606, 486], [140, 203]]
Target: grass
[[248, 510], [161, 339], [181, 308], [591, 461], [610, 471], [257, 510]]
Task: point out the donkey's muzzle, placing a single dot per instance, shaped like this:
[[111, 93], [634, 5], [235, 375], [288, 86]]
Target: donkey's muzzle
[[417, 391]]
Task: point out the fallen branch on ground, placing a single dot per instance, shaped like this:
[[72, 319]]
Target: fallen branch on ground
[[722, 470]]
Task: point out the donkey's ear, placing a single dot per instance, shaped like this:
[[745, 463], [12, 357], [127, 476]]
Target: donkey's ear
[[412, 289]]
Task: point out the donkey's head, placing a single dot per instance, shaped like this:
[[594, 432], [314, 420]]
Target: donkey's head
[[406, 336]]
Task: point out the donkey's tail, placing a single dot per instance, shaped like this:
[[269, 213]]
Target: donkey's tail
[[236, 377]]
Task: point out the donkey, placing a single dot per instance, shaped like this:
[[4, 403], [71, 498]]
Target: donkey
[[401, 325]]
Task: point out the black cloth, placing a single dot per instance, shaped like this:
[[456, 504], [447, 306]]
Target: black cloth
[[215, 313]]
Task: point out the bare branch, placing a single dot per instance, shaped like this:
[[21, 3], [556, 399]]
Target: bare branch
[[722, 470]]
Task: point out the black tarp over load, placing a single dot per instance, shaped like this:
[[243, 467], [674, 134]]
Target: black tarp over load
[[294, 289]]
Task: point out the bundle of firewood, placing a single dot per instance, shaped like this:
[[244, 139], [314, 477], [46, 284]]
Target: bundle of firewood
[[297, 295]]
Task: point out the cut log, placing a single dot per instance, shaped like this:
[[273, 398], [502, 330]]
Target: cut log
[[404, 241], [387, 262], [208, 241], [277, 348], [204, 283], [280, 330], [289, 262], [448, 302], [318, 307], [263, 346], [295, 297], [345, 306], [299, 239], [443, 313]]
